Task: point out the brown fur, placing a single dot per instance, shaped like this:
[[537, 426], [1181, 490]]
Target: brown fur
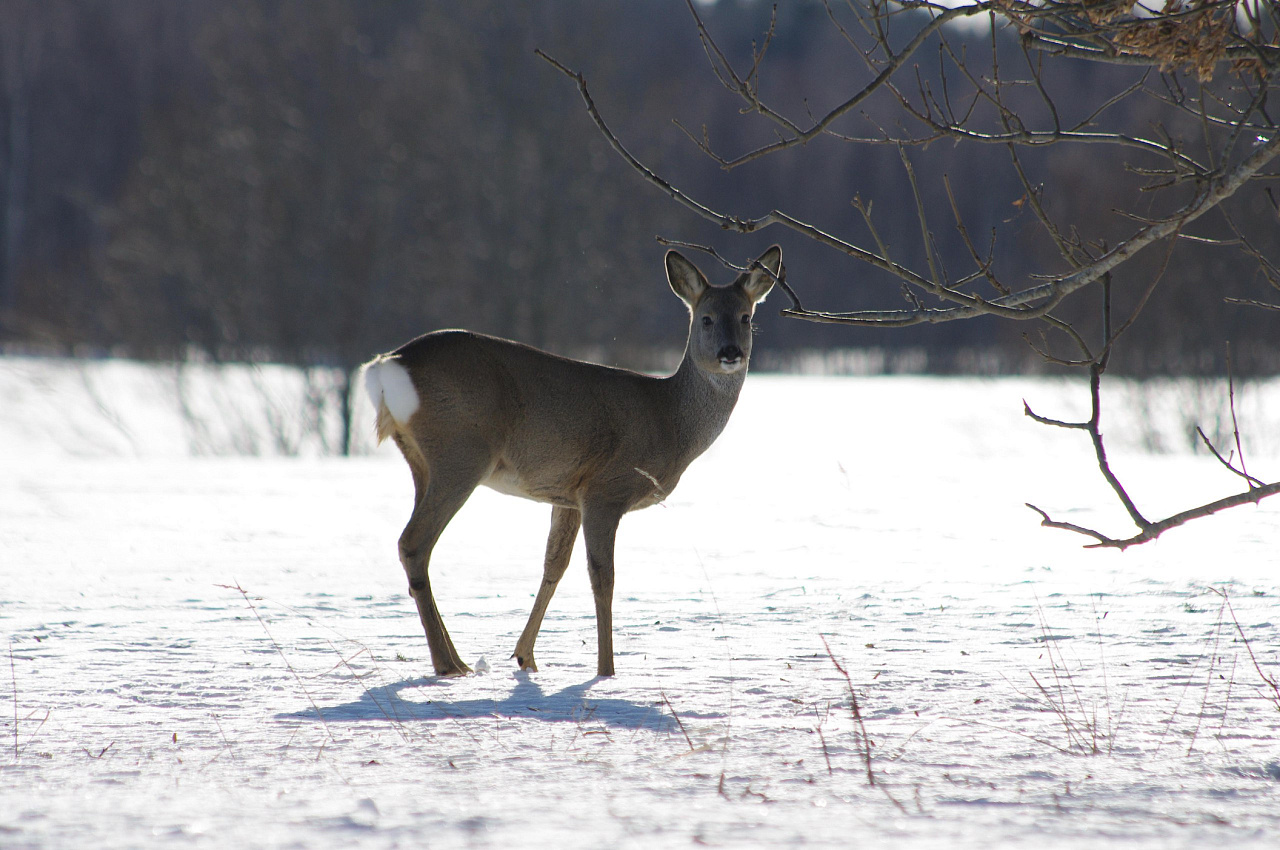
[[592, 441]]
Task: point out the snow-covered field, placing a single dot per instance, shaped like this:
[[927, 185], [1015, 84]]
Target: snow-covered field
[[219, 651]]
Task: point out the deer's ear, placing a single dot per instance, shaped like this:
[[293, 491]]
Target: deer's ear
[[685, 279], [764, 271]]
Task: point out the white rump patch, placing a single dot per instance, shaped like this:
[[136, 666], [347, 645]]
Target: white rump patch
[[388, 383]]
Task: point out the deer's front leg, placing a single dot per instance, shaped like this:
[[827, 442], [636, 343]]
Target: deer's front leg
[[599, 528], [564, 530]]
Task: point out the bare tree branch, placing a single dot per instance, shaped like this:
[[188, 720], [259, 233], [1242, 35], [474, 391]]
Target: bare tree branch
[[1153, 530], [800, 137], [1018, 305], [1208, 69], [1147, 530]]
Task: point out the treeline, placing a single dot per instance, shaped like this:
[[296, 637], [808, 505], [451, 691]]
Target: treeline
[[313, 181]]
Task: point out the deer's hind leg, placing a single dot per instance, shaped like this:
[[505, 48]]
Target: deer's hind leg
[[564, 530], [441, 488]]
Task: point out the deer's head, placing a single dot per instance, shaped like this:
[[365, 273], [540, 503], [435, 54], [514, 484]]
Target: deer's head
[[720, 326]]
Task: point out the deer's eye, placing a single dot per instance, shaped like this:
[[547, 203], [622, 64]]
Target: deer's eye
[[746, 318], [706, 321]]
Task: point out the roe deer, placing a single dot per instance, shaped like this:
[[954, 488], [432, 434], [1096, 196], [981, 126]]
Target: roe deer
[[593, 441]]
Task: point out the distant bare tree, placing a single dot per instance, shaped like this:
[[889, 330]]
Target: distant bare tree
[[1194, 77], [278, 214], [26, 29], [338, 182]]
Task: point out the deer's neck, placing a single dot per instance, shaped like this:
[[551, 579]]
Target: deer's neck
[[703, 402]]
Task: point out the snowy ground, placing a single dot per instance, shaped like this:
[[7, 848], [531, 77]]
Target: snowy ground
[[1016, 687]]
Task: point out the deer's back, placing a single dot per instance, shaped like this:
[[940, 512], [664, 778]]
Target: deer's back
[[553, 428]]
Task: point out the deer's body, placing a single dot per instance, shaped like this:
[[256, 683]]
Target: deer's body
[[594, 442]]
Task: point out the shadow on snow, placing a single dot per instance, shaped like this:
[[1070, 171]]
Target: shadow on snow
[[526, 700]]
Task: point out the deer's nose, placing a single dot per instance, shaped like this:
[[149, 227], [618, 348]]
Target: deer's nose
[[730, 355]]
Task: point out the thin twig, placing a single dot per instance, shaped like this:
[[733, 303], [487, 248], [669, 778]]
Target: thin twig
[[13, 674], [1208, 680], [1235, 425], [857, 713], [320, 714], [826, 754], [1249, 302], [1271, 683], [671, 708], [222, 734], [1047, 522], [1253, 482], [346, 663], [1045, 420]]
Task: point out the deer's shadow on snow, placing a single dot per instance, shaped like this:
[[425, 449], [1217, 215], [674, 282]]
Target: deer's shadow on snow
[[526, 700]]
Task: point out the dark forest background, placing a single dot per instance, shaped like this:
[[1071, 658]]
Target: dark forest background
[[314, 182]]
